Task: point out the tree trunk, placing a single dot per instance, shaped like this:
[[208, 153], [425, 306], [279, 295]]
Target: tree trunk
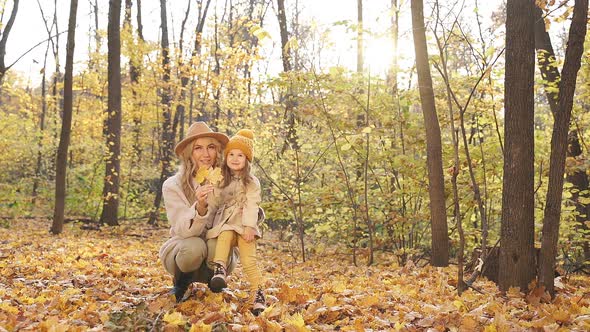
[[289, 99], [517, 259], [578, 178], [184, 78], [217, 72], [167, 132], [110, 192], [139, 22], [359, 37], [559, 138], [135, 61], [196, 52], [57, 78], [368, 220], [38, 167], [286, 54], [134, 75], [440, 239], [64, 140], [199, 29], [550, 73], [5, 34], [443, 54], [392, 74], [97, 37], [546, 60], [287, 67]]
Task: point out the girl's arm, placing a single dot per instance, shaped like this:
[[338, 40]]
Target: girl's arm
[[253, 199]]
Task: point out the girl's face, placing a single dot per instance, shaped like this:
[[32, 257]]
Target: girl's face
[[205, 152], [236, 160]]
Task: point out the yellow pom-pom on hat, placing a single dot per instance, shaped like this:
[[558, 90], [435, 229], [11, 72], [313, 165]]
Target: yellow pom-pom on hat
[[246, 133], [243, 140]]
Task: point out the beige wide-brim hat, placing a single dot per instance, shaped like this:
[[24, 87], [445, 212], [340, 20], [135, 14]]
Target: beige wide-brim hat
[[198, 130]]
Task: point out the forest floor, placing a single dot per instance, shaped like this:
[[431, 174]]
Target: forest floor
[[112, 280]]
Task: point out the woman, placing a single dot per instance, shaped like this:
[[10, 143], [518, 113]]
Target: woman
[[184, 255]]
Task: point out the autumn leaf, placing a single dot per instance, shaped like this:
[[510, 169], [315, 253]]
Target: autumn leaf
[[174, 318], [469, 324], [338, 287], [459, 304], [295, 323], [369, 301], [358, 325], [202, 174], [269, 325], [8, 308], [398, 326], [561, 316], [538, 295], [52, 324], [329, 300], [201, 327], [490, 328]]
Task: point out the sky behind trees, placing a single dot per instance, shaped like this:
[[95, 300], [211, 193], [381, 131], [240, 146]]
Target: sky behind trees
[[328, 15]]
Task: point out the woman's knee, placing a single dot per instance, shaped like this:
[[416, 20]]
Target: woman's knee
[[191, 254]]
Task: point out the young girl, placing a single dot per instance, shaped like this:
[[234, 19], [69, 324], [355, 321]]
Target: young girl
[[235, 216]]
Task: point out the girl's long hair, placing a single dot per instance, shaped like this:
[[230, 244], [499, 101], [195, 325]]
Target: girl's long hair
[[188, 169], [245, 174]]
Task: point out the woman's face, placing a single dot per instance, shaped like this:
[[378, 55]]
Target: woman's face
[[205, 151]]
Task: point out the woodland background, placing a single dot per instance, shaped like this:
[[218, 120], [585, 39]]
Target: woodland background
[[346, 157]]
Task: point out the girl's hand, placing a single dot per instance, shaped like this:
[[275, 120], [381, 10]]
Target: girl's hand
[[249, 234], [201, 193]]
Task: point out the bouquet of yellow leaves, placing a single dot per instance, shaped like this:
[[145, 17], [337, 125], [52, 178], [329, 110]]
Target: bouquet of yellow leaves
[[213, 176]]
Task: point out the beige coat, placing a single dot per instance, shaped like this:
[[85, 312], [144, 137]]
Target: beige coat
[[184, 220], [235, 207]]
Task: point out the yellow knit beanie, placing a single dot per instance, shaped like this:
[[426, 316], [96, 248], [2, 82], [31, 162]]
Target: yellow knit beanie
[[244, 141]]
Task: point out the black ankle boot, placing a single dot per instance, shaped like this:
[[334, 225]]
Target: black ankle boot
[[259, 302], [181, 282], [218, 283]]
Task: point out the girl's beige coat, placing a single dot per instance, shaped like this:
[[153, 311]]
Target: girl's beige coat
[[234, 207]]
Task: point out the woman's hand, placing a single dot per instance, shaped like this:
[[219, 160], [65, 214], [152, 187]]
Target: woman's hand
[[249, 234], [201, 193]]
